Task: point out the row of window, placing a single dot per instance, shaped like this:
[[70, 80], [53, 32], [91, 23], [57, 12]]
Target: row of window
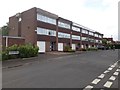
[[75, 37], [85, 31], [98, 41], [75, 29], [91, 40], [63, 25], [91, 33], [46, 19], [63, 35], [49, 32], [84, 38], [43, 31]]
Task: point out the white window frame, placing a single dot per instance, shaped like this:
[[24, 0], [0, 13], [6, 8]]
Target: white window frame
[[63, 25], [46, 19], [75, 37], [63, 35]]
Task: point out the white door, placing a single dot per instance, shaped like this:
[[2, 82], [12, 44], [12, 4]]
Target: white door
[[73, 47], [60, 46], [41, 45]]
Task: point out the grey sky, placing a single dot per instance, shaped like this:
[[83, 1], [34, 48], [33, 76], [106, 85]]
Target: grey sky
[[99, 15]]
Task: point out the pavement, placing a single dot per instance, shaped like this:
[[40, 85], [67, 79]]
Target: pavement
[[41, 57], [97, 69]]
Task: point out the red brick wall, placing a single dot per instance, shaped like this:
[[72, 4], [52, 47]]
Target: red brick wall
[[18, 41], [12, 41], [13, 26], [28, 26]]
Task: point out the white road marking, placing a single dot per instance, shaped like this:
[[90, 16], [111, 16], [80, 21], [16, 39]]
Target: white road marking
[[96, 81], [110, 68], [116, 73], [88, 87], [118, 70], [112, 78], [106, 71], [101, 76], [115, 63], [108, 84]]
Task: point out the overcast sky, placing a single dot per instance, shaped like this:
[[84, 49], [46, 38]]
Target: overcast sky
[[99, 15]]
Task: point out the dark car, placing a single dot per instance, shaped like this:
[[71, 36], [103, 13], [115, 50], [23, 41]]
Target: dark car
[[101, 47]]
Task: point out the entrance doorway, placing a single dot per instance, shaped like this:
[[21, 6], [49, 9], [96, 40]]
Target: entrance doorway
[[52, 46]]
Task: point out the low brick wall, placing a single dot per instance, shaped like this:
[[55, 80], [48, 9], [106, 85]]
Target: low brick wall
[[18, 41], [9, 41]]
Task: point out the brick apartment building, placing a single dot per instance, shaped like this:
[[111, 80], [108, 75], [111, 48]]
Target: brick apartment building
[[49, 31]]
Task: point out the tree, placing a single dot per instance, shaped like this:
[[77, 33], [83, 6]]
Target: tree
[[4, 30], [104, 41]]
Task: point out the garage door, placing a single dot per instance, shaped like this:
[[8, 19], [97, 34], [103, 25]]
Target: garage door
[[73, 47], [41, 45], [60, 46]]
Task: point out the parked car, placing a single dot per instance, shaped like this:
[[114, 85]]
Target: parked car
[[101, 47]]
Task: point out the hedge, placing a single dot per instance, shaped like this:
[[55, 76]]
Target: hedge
[[92, 49], [25, 51], [68, 49]]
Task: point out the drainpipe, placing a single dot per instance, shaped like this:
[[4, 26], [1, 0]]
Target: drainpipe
[[56, 34], [71, 35], [81, 38]]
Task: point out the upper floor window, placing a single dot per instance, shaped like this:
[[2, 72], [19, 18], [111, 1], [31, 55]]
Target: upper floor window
[[76, 29], [46, 19], [91, 33], [91, 39], [63, 25], [85, 31], [75, 37], [100, 36], [96, 41], [84, 38], [96, 35], [43, 31], [100, 41], [63, 35]]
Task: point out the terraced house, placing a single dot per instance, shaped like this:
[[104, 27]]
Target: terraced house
[[49, 32]]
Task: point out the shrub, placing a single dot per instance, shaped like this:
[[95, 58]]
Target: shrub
[[82, 49], [25, 51], [68, 49], [12, 48], [28, 50], [92, 49], [5, 55]]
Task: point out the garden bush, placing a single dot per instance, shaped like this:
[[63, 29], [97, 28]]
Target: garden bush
[[12, 48], [25, 51], [92, 49], [28, 50], [68, 49], [5, 55], [82, 49]]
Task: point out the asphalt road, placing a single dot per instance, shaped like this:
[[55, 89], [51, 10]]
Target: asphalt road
[[72, 71]]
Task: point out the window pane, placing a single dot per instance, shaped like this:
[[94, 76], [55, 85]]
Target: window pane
[[75, 29], [43, 31], [75, 37], [46, 19], [63, 25], [63, 35]]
